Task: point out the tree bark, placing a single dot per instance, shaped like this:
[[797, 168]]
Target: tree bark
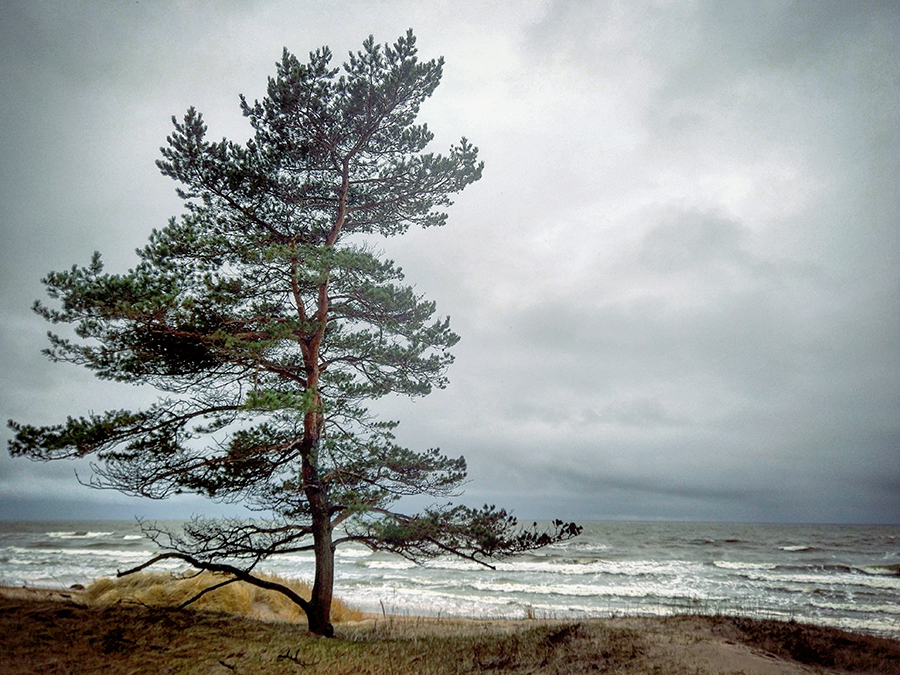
[[319, 614], [314, 424]]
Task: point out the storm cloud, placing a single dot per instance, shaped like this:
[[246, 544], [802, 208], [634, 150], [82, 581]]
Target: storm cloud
[[677, 284]]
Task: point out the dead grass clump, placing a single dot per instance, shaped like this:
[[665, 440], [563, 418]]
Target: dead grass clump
[[822, 646], [410, 648], [156, 589], [557, 649]]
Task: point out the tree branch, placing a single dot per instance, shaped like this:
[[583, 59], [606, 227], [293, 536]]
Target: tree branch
[[205, 591], [224, 569]]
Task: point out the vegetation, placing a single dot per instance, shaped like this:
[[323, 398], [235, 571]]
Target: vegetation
[[268, 320], [132, 638], [821, 646], [205, 591]]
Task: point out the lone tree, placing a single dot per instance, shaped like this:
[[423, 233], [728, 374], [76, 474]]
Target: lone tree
[[266, 322]]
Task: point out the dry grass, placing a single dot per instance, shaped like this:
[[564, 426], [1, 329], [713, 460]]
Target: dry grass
[[240, 598], [514, 647], [821, 646], [61, 637], [126, 638]]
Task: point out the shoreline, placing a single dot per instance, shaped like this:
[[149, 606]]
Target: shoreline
[[613, 569], [53, 628], [75, 594]]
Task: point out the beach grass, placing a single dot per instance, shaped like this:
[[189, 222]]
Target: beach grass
[[820, 646], [237, 597]]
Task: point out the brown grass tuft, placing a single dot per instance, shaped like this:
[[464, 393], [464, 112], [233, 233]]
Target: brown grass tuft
[[822, 646], [240, 598]]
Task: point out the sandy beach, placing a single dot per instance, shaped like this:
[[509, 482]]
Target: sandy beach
[[44, 630]]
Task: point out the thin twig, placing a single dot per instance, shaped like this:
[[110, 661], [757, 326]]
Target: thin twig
[[296, 659], [205, 591]]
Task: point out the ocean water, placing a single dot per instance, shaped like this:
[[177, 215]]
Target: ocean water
[[835, 575]]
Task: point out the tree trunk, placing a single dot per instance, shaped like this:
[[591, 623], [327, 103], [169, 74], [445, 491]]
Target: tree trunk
[[319, 614], [320, 604], [313, 429]]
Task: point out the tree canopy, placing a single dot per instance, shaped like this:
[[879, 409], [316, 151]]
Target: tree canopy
[[267, 319]]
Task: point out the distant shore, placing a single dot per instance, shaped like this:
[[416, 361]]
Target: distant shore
[[53, 630]]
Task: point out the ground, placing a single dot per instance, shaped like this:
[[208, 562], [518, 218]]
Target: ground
[[54, 632]]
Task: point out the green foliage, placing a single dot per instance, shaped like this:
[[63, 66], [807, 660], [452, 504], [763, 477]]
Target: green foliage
[[477, 534]]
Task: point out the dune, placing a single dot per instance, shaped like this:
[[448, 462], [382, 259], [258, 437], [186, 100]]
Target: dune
[[67, 630]]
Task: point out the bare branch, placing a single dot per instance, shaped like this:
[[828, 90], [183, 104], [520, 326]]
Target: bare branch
[[205, 591], [223, 568]]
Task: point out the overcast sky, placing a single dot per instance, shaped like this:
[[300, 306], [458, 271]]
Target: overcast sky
[[677, 284]]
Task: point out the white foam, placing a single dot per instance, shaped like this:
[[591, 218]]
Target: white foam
[[733, 565], [48, 554], [879, 570], [352, 553], [832, 580], [399, 564], [78, 535]]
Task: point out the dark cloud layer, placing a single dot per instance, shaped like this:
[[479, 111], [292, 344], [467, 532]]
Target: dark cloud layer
[[677, 284]]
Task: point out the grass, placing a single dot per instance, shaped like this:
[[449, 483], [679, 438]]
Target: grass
[[239, 598], [131, 637], [135, 625], [821, 646]]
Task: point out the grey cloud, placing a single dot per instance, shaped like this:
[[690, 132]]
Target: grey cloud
[[676, 285], [692, 240], [596, 490], [720, 479], [783, 36], [758, 339]]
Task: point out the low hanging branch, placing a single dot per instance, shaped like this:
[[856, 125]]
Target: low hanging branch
[[222, 568]]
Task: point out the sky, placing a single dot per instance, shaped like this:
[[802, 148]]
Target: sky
[[677, 284]]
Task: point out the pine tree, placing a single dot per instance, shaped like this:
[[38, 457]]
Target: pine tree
[[267, 322]]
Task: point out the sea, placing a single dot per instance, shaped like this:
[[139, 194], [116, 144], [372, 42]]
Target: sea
[[843, 576]]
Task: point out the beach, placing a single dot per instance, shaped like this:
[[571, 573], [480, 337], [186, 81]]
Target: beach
[[53, 631], [635, 598], [838, 576]]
